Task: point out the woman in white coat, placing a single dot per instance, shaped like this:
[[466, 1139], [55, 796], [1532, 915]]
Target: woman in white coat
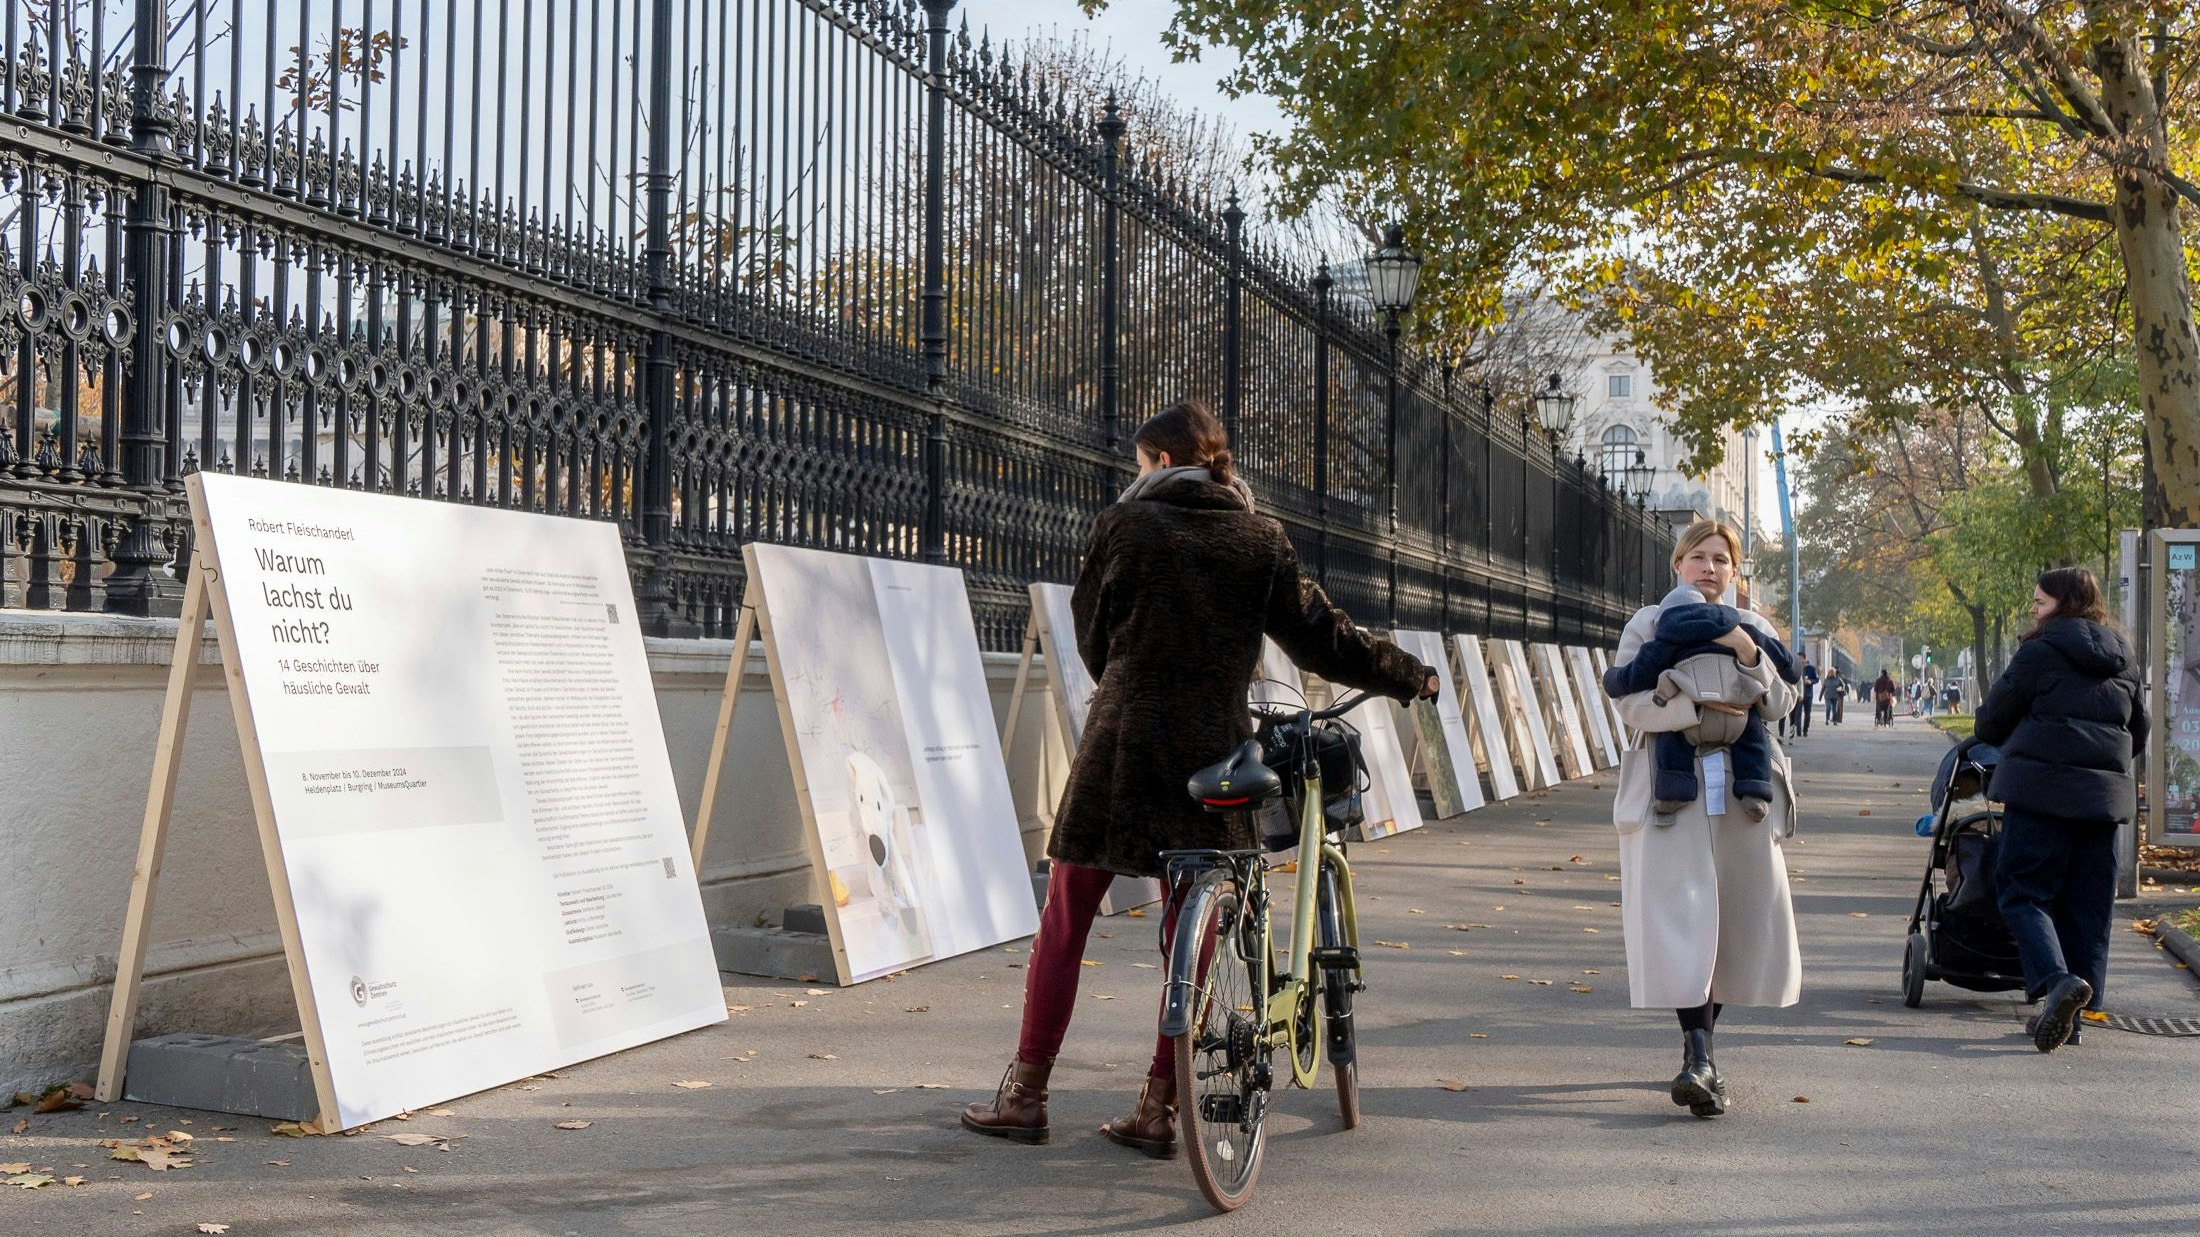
[[1705, 897]]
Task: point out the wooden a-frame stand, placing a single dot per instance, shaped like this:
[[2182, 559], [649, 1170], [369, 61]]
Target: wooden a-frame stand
[[202, 594]]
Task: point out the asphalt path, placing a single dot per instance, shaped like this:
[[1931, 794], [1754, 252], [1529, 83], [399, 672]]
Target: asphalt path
[[832, 1111]]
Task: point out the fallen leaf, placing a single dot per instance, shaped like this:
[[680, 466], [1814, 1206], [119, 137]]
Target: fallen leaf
[[1592, 971], [1101, 996], [809, 979], [1577, 859], [1415, 910], [1583, 988], [1145, 966], [1508, 977], [15, 1168], [823, 1056], [1590, 931], [272, 1163], [1457, 953], [1090, 962], [1865, 812], [814, 991], [30, 1181], [441, 1112], [1859, 1042], [1859, 914], [216, 1229], [21, 1127], [1476, 1035], [574, 1125], [886, 1091], [2093, 1015], [1802, 1099], [931, 1086], [1395, 944], [916, 1009], [1540, 983], [72, 1181], [691, 1084], [1460, 927], [413, 1140], [739, 1009], [1451, 1084], [1136, 914], [798, 1004], [299, 1129], [139, 1198]]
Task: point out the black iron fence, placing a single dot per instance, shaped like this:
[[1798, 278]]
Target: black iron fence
[[819, 272]]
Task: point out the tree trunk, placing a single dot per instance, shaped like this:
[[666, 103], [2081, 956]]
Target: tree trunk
[[2150, 234], [1978, 653]]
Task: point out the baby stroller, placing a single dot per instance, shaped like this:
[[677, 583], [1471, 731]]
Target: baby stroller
[[1956, 933]]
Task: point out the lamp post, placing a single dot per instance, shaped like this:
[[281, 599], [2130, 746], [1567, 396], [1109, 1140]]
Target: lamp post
[[1748, 566], [1554, 406], [1635, 479], [1393, 276]]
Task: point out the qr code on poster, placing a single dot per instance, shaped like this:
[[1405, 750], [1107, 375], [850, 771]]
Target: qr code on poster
[[611, 614]]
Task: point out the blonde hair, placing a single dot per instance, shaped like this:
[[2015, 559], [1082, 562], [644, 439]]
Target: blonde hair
[[1701, 531]]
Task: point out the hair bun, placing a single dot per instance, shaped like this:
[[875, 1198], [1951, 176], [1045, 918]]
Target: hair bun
[[1222, 466]]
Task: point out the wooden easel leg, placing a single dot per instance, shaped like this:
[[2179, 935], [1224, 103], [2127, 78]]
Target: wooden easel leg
[[175, 716], [1023, 676], [728, 702]]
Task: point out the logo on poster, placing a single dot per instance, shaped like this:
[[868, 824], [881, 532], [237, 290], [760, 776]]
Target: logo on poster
[[2184, 557], [358, 991]]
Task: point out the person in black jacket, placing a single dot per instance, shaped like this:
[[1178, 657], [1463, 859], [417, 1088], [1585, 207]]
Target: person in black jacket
[[2067, 716], [1181, 580]]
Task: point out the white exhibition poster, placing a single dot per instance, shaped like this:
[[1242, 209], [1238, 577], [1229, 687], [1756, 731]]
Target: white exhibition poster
[[1603, 662], [466, 779], [1496, 751], [1277, 680], [1446, 755], [1388, 806], [1589, 686], [915, 843], [1565, 718], [1071, 686], [1516, 689]]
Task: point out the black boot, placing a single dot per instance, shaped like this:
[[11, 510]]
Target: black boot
[[1699, 1087]]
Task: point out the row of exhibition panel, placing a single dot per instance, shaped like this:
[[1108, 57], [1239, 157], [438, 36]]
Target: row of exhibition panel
[[479, 861]]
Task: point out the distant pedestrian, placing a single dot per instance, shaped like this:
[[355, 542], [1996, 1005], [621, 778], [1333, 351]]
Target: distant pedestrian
[[1798, 722], [1951, 697], [1883, 694], [2068, 716], [1181, 580], [1836, 691], [1705, 900]]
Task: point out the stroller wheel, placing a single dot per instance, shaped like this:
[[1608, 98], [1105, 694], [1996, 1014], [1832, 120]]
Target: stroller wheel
[[1913, 970]]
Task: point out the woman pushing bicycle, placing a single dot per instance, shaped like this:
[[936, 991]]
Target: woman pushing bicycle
[[1181, 580]]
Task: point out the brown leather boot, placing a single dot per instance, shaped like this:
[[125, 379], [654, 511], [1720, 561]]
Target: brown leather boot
[[1019, 1109], [1151, 1127]]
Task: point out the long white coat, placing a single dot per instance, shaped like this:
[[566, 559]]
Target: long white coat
[[1705, 901]]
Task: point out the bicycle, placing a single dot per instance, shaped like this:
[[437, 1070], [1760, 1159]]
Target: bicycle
[[1227, 1005]]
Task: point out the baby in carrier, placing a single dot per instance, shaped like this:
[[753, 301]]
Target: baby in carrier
[[1684, 659]]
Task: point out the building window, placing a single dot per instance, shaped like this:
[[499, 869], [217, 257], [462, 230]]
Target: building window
[[1616, 454], [1619, 386]]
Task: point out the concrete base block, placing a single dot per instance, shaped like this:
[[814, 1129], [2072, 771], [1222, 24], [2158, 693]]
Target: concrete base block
[[808, 917], [222, 1073], [776, 953]]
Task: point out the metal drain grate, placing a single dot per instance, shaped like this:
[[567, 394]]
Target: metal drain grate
[[2147, 1026]]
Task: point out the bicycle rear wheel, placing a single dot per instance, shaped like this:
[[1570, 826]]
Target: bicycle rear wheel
[[1222, 1070], [1336, 991]]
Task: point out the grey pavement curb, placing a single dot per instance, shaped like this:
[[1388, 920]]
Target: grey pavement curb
[[2178, 942]]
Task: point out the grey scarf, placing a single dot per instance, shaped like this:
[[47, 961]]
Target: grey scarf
[[1145, 485]]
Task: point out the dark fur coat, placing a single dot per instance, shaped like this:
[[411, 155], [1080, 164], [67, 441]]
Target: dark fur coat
[[1176, 592]]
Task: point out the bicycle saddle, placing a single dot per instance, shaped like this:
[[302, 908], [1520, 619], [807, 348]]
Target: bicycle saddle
[[1236, 783]]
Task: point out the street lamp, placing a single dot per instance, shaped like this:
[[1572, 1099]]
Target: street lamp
[[1393, 276], [1555, 407], [1639, 476]]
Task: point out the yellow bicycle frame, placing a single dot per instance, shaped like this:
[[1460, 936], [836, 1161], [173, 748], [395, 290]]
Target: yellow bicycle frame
[[1283, 1004]]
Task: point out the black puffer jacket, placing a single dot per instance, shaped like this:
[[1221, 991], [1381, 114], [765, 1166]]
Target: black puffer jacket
[[2067, 715]]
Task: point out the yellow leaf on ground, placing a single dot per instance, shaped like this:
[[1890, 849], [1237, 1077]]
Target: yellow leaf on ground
[[823, 1056], [1136, 914], [413, 1140], [1395, 944], [1090, 962], [1451, 1084], [139, 1198], [1541, 983], [1508, 977], [30, 1181], [72, 1181], [1583, 988], [12, 1169], [216, 1229], [1858, 1042], [1476, 1035], [691, 1084], [441, 1112], [299, 1129], [574, 1125]]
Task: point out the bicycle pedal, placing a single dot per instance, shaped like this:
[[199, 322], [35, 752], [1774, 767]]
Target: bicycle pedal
[[1336, 957]]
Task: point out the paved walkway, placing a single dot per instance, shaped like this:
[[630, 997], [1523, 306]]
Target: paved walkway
[[823, 1116]]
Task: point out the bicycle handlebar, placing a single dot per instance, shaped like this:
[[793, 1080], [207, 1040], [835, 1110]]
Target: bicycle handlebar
[[1337, 710]]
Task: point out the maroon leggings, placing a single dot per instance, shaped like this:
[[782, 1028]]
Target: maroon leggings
[[1057, 955]]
